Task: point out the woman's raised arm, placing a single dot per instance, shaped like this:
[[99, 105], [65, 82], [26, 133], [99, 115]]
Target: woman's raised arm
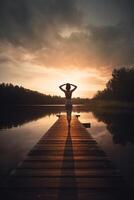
[[62, 86], [74, 87]]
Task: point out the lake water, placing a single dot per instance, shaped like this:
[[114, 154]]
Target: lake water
[[22, 127]]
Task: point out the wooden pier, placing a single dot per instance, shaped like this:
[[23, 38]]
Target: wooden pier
[[65, 164]]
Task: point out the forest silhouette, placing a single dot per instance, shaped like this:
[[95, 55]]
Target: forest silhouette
[[119, 87], [12, 95]]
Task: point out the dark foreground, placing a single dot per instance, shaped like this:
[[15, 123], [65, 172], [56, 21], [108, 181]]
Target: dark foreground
[[66, 163]]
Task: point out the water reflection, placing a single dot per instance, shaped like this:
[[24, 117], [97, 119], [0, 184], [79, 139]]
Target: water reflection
[[120, 125], [18, 115], [16, 142], [69, 115]]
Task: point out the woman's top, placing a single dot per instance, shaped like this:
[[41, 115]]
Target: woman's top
[[68, 94]]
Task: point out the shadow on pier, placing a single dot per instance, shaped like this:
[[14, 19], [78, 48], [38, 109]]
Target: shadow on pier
[[72, 193]]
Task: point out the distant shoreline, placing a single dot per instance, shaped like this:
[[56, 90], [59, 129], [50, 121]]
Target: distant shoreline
[[42, 105], [93, 104]]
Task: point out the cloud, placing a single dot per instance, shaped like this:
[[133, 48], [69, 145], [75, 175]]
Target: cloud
[[41, 26], [66, 34], [36, 21]]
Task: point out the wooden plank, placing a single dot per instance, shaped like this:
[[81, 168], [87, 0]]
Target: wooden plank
[[66, 158], [66, 164], [66, 194], [69, 152], [75, 140], [66, 148], [73, 182], [61, 141], [49, 145], [57, 172]]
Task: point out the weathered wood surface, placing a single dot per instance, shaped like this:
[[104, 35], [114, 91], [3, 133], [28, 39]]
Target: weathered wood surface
[[66, 163]]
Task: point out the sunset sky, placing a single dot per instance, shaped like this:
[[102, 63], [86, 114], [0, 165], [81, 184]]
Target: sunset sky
[[45, 43]]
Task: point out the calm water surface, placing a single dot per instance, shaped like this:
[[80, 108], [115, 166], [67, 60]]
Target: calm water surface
[[22, 127]]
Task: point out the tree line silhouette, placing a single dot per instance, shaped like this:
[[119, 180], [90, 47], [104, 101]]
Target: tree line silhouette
[[119, 124], [119, 87], [12, 95]]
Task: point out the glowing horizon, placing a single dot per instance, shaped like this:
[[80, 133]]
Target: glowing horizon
[[47, 80]]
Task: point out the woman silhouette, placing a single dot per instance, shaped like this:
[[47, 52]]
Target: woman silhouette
[[68, 94]]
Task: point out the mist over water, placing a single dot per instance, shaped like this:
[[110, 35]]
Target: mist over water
[[22, 127]]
